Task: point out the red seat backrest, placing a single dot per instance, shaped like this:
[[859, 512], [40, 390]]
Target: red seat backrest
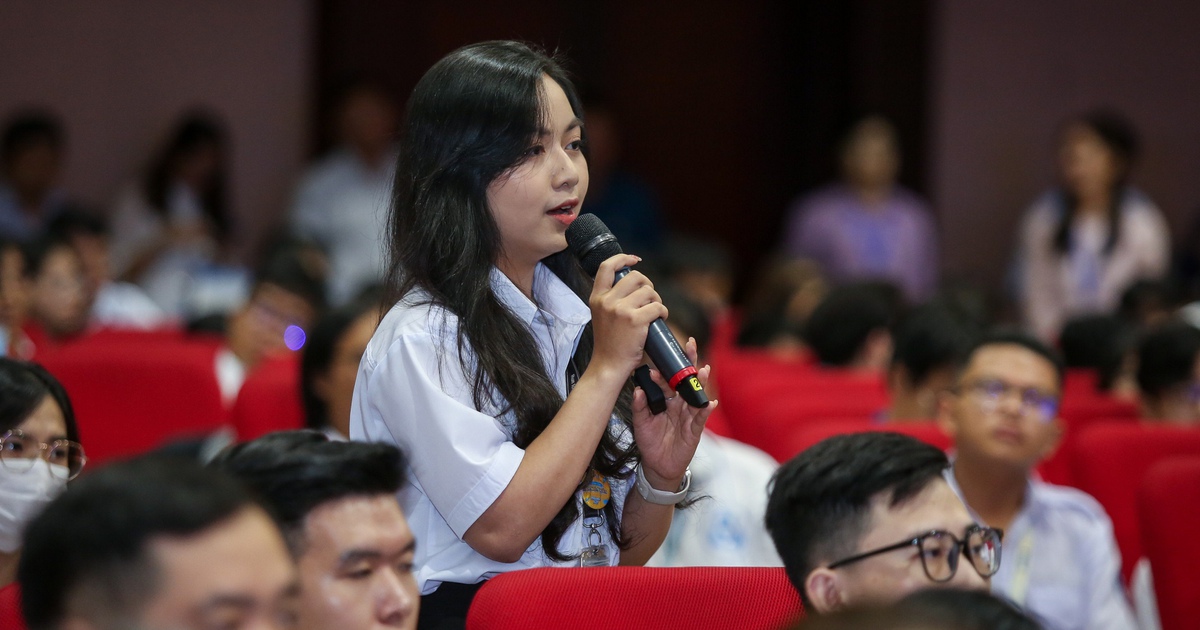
[[269, 399], [1169, 507], [810, 433], [1109, 461], [132, 394], [1059, 467], [691, 598]]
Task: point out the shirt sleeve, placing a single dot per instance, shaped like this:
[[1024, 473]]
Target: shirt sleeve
[[1109, 606], [420, 400], [1041, 296]]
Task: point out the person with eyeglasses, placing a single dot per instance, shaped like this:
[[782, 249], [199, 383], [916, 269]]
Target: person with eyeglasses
[[867, 518], [1061, 560], [39, 453]]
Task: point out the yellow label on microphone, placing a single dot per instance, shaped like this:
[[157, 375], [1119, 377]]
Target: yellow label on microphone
[[695, 383]]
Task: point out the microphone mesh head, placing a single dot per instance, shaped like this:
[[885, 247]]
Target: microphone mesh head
[[591, 242]]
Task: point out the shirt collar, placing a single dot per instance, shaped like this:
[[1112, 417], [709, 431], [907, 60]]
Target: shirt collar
[[553, 297]]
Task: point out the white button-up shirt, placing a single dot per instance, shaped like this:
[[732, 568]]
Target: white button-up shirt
[[411, 391]]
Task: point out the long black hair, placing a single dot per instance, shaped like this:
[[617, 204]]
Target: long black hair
[[194, 132], [470, 119], [1119, 136], [23, 386]]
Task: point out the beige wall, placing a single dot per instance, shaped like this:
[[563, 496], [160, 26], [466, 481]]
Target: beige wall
[[1007, 73], [119, 71]]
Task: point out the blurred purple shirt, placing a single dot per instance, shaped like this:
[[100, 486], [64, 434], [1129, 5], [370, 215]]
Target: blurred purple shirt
[[896, 241]]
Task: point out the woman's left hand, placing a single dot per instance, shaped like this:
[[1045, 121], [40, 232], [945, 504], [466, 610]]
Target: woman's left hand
[[668, 440]]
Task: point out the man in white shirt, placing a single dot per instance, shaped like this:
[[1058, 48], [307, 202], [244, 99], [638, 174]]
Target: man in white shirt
[[1061, 561], [342, 202]]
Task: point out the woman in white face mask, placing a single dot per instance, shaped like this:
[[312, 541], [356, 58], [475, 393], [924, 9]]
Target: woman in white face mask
[[39, 453]]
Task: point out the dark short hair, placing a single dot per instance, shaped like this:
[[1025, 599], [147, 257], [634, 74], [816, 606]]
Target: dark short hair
[[294, 472], [30, 128], [930, 609], [23, 386], [90, 542], [318, 356], [686, 314], [1167, 357], [820, 501], [1009, 336], [37, 251], [288, 269], [841, 323], [75, 221], [930, 338], [1099, 343]]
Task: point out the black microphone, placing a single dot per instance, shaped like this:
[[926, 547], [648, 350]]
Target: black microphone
[[592, 243]]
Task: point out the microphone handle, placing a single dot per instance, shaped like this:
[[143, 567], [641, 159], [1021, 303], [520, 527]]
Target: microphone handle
[[670, 359]]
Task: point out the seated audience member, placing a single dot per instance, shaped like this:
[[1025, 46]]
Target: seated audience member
[[929, 344], [15, 294], [31, 159], [342, 201], [335, 503], [1103, 344], [1062, 562], [111, 303], [779, 304], [39, 453], [155, 544], [868, 227], [1148, 303], [286, 298], [330, 365], [850, 328], [1168, 373], [703, 271], [173, 228], [723, 525], [58, 301], [867, 518], [1084, 243], [931, 609]]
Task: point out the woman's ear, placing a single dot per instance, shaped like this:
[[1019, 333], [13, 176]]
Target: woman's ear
[[824, 590]]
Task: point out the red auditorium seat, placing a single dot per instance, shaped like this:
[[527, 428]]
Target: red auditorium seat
[[1169, 506], [806, 435], [131, 393], [269, 399], [692, 598], [766, 398], [1109, 462]]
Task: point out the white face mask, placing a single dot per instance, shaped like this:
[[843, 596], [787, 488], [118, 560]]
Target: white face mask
[[24, 491]]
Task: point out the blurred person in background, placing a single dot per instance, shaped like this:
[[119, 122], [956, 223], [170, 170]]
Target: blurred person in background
[[15, 294], [1082, 244], [342, 201], [335, 503], [723, 525], [928, 347], [58, 306], [156, 543], [31, 162], [288, 295], [1168, 373], [39, 453], [111, 303], [626, 204], [779, 305], [1105, 345], [868, 226], [851, 328], [1061, 559], [867, 518], [172, 228], [330, 365], [703, 270]]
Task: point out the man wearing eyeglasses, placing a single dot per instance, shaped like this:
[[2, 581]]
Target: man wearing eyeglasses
[[868, 518], [1061, 562]]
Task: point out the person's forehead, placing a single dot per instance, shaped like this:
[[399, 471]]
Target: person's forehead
[[934, 507], [46, 422], [1014, 363], [373, 522]]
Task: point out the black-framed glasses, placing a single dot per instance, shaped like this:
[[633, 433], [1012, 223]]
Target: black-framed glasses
[[940, 551], [20, 452], [1034, 402]]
